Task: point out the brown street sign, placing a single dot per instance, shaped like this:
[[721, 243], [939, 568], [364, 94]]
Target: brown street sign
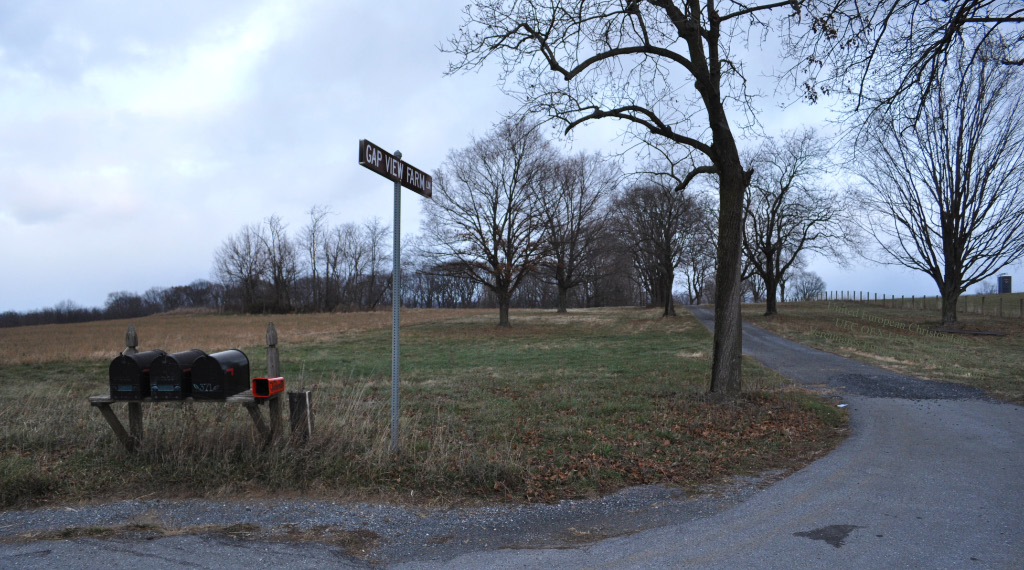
[[384, 163]]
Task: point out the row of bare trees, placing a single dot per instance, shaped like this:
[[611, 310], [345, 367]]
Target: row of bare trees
[[510, 207], [513, 221], [347, 266], [673, 73]]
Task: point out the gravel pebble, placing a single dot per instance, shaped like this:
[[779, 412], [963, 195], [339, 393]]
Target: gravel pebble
[[905, 387], [388, 533]]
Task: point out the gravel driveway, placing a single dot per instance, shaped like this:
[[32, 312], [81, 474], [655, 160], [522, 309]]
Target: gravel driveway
[[931, 477]]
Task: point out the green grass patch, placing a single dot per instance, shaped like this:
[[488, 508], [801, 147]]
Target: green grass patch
[[909, 340], [558, 406]]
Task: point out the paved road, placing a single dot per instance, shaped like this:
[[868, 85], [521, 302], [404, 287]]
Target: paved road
[[931, 477], [931, 481]]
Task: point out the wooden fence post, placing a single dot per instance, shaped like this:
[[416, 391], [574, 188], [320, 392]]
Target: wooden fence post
[[273, 371], [131, 343], [300, 414]]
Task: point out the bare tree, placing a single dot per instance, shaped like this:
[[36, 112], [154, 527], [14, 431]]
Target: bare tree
[[313, 238], [344, 261], [753, 284], [242, 262], [615, 281], [652, 218], [986, 288], [664, 68], [482, 223], [884, 54], [788, 211], [283, 262], [806, 285], [947, 190], [697, 261], [573, 204], [377, 245]]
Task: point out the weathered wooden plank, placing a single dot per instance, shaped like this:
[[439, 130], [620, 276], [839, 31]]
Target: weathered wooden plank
[[276, 416], [135, 421], [115, 424], [300, 415], [257, 420]]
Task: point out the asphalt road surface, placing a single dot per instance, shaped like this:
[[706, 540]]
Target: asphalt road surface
[[932, 476]]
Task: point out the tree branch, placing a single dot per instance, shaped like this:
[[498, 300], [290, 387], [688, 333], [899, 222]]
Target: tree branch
[[693, 174], [753, 9]]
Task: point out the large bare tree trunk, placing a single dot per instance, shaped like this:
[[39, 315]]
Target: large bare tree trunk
[[563, 299], [726, 372], [503, 304], [949, 310], [950, 296], [670, 302], [771, 298]]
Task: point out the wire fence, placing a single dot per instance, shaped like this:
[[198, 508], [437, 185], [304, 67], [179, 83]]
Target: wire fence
[[994, 305]]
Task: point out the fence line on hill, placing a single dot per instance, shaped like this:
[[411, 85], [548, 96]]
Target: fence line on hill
[[997, 305]]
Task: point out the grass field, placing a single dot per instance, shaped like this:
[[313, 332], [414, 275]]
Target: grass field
[[558, 406], [907, 340]]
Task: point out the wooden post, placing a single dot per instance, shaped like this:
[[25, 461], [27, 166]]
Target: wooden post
[[131, 344], [257, 420], [103, 403], [131, 341], [274, 370], [135, 421], [300, 414]]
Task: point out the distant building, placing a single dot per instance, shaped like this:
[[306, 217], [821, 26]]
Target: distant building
[[1005, 285]]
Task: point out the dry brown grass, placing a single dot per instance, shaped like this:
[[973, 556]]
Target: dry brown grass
[[173, 332], [555, 407]]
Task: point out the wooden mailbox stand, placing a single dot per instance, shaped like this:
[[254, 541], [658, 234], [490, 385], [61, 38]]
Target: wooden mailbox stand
[[131, 437]]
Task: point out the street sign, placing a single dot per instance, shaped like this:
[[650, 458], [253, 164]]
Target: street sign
[[389, 166]]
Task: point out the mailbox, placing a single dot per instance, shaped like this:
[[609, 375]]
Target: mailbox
[[170, 375], [219, 375], [267, 387], [129, 375]]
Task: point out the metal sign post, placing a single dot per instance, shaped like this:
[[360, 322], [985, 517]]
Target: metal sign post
[[396, 305], [391, 167]]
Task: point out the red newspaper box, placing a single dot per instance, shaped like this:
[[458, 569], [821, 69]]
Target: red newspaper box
[[267, 387]]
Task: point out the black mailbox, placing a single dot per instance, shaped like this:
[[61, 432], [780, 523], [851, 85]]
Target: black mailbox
[[219, 375], [129, 375], [170, 375]]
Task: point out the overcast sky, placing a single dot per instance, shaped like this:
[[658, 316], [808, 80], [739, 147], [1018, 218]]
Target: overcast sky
[[136, 136]]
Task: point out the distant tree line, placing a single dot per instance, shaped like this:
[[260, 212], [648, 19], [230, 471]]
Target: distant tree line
[[200, 294], [513, 223]]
